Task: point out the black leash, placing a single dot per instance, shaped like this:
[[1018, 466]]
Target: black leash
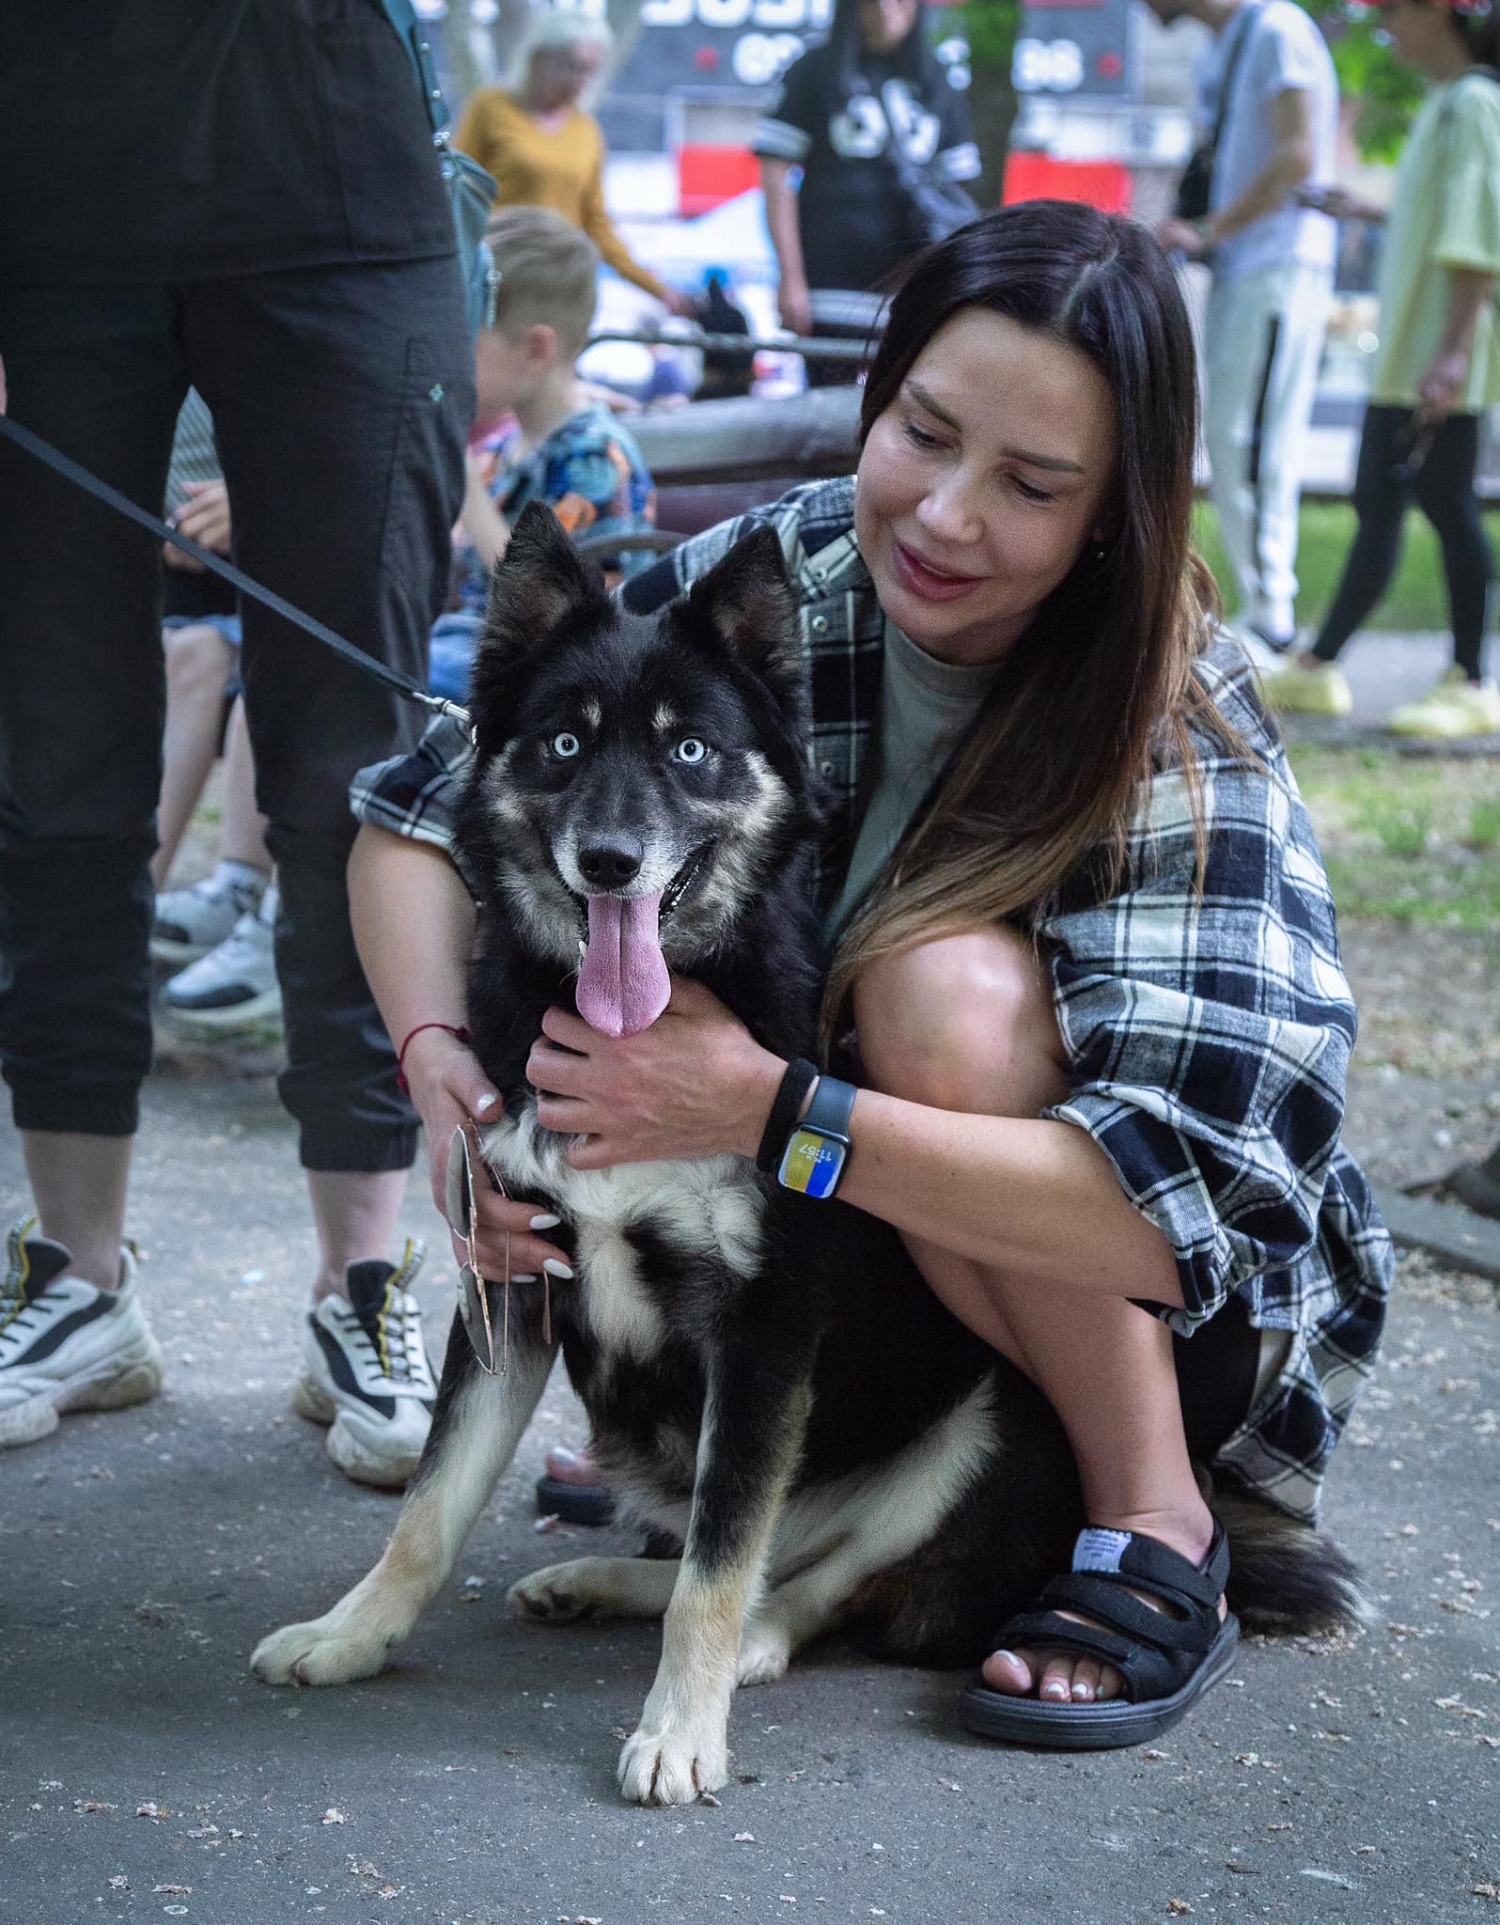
[[70, 470]]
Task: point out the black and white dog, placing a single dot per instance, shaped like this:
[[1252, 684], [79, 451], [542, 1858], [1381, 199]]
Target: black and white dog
[[767, 1378]]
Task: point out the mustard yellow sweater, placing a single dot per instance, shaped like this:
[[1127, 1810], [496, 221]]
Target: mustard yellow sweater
[[563, 170]]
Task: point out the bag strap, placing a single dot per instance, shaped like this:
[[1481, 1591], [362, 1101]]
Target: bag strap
[[1246, 26], [413, 36]]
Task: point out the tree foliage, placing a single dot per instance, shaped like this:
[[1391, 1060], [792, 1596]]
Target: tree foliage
[[1369, 73]]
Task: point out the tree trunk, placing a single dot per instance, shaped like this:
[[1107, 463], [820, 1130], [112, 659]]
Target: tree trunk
[[992, 109]]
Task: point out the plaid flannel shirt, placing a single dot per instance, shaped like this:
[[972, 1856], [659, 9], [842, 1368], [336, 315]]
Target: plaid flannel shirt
[[1208, 1031]]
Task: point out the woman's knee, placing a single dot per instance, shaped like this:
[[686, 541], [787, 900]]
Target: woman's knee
[[963, 1023], [197, 657]]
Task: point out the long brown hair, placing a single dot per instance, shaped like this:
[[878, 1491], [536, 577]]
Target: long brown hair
[[1099, 691]]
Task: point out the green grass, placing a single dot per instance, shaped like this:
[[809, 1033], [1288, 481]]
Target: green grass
[[1417, 598], [1405, 839]]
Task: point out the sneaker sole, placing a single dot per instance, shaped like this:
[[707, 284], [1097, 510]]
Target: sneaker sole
[[167, 949], [1424, 731], [135, 1381], [256, 1009], [352, 1455]]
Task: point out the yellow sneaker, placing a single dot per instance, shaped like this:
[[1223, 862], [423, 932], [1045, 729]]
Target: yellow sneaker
[[1295, 690], [1453, 706]]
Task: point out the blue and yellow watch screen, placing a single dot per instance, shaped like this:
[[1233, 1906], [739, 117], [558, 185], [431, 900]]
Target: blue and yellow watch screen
[[811, 1163]]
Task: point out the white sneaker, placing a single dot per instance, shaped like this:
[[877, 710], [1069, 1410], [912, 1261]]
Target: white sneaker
[[234, 986], [190, 922], [65, 1344], [367, 1375]]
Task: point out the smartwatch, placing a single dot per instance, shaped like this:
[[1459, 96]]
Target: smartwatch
[[818, 1147]]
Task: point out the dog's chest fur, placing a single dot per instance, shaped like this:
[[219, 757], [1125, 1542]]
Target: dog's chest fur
[[657, 1246]]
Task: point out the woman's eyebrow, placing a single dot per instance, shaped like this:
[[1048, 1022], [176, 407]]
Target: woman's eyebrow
[[1055, 463]]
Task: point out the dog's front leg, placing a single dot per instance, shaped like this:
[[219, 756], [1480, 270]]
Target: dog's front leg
[[753, 1427], [475, 1429]]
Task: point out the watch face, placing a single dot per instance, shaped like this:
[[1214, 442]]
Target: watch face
[[812, 1163]]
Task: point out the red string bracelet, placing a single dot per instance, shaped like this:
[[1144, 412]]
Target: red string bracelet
[[457, 1030]]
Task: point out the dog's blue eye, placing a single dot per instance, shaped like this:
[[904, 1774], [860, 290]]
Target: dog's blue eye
[[565, 744], [690, 749]]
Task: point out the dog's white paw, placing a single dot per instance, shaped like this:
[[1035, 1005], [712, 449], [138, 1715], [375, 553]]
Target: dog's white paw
[[674, 1766], [765, 1653], [322, 1652], [554, 1595]]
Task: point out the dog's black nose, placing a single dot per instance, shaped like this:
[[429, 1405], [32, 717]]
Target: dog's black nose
[[609, 861]]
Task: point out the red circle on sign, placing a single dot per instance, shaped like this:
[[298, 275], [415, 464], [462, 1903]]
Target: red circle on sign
[[706, 59], [1110, 65]]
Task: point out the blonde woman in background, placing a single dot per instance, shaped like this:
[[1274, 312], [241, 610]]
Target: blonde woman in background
[[544, 149]]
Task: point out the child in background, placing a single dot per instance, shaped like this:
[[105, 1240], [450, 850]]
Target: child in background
[[557, 446]]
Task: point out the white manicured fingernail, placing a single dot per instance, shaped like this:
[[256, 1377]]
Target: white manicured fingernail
[[524, 1276], [545, 1222], [485, 1103], [555, 1267]]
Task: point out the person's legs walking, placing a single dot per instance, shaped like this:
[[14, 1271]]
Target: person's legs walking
[[1312, 682], [1236, 333], [1381, 497], [1463, 702], [1296, 324]]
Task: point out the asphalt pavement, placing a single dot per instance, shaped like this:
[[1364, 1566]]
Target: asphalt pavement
[[145, 1774]]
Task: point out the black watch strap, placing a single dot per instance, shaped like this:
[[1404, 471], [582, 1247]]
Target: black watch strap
[[831, 1108], [799, 1078]]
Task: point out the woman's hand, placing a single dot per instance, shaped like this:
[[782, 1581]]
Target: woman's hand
[[451, 1091], [693, 1084], [204, 515]]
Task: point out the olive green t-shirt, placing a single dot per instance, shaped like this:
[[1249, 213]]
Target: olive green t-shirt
[[1446, 214]]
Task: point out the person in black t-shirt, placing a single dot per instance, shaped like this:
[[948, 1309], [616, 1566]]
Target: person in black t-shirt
[[243, 197], [873, 86]]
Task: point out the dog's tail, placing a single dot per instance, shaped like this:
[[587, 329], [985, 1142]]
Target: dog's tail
[[1285, 1578]]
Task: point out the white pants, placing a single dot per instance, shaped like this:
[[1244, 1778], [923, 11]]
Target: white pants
[[1262, 343]]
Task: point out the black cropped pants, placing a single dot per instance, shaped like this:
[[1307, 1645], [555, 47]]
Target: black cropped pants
[[1441, 482], [341, 397]]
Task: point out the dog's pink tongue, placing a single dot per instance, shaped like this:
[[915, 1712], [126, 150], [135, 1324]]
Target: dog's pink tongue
[[623, 984]]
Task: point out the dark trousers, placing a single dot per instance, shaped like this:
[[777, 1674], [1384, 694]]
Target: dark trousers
[[1395, 469], [341, 398]]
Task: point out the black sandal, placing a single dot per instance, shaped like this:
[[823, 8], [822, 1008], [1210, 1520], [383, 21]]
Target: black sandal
[[1167, 1659], [574, 1503]]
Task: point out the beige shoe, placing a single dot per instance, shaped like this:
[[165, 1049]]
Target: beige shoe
[[1295, 690], [1454, 706]]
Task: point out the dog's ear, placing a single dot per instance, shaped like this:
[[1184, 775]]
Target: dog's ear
[[748, 601], [537, 585]]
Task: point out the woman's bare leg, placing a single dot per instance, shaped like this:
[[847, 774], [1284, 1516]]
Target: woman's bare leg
[[198, 661], [244, 831], [966, 1024]]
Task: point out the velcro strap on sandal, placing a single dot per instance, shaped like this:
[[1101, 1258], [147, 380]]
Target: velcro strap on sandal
[[1045, 1630], [1107, 1599], [1157, 1568]]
